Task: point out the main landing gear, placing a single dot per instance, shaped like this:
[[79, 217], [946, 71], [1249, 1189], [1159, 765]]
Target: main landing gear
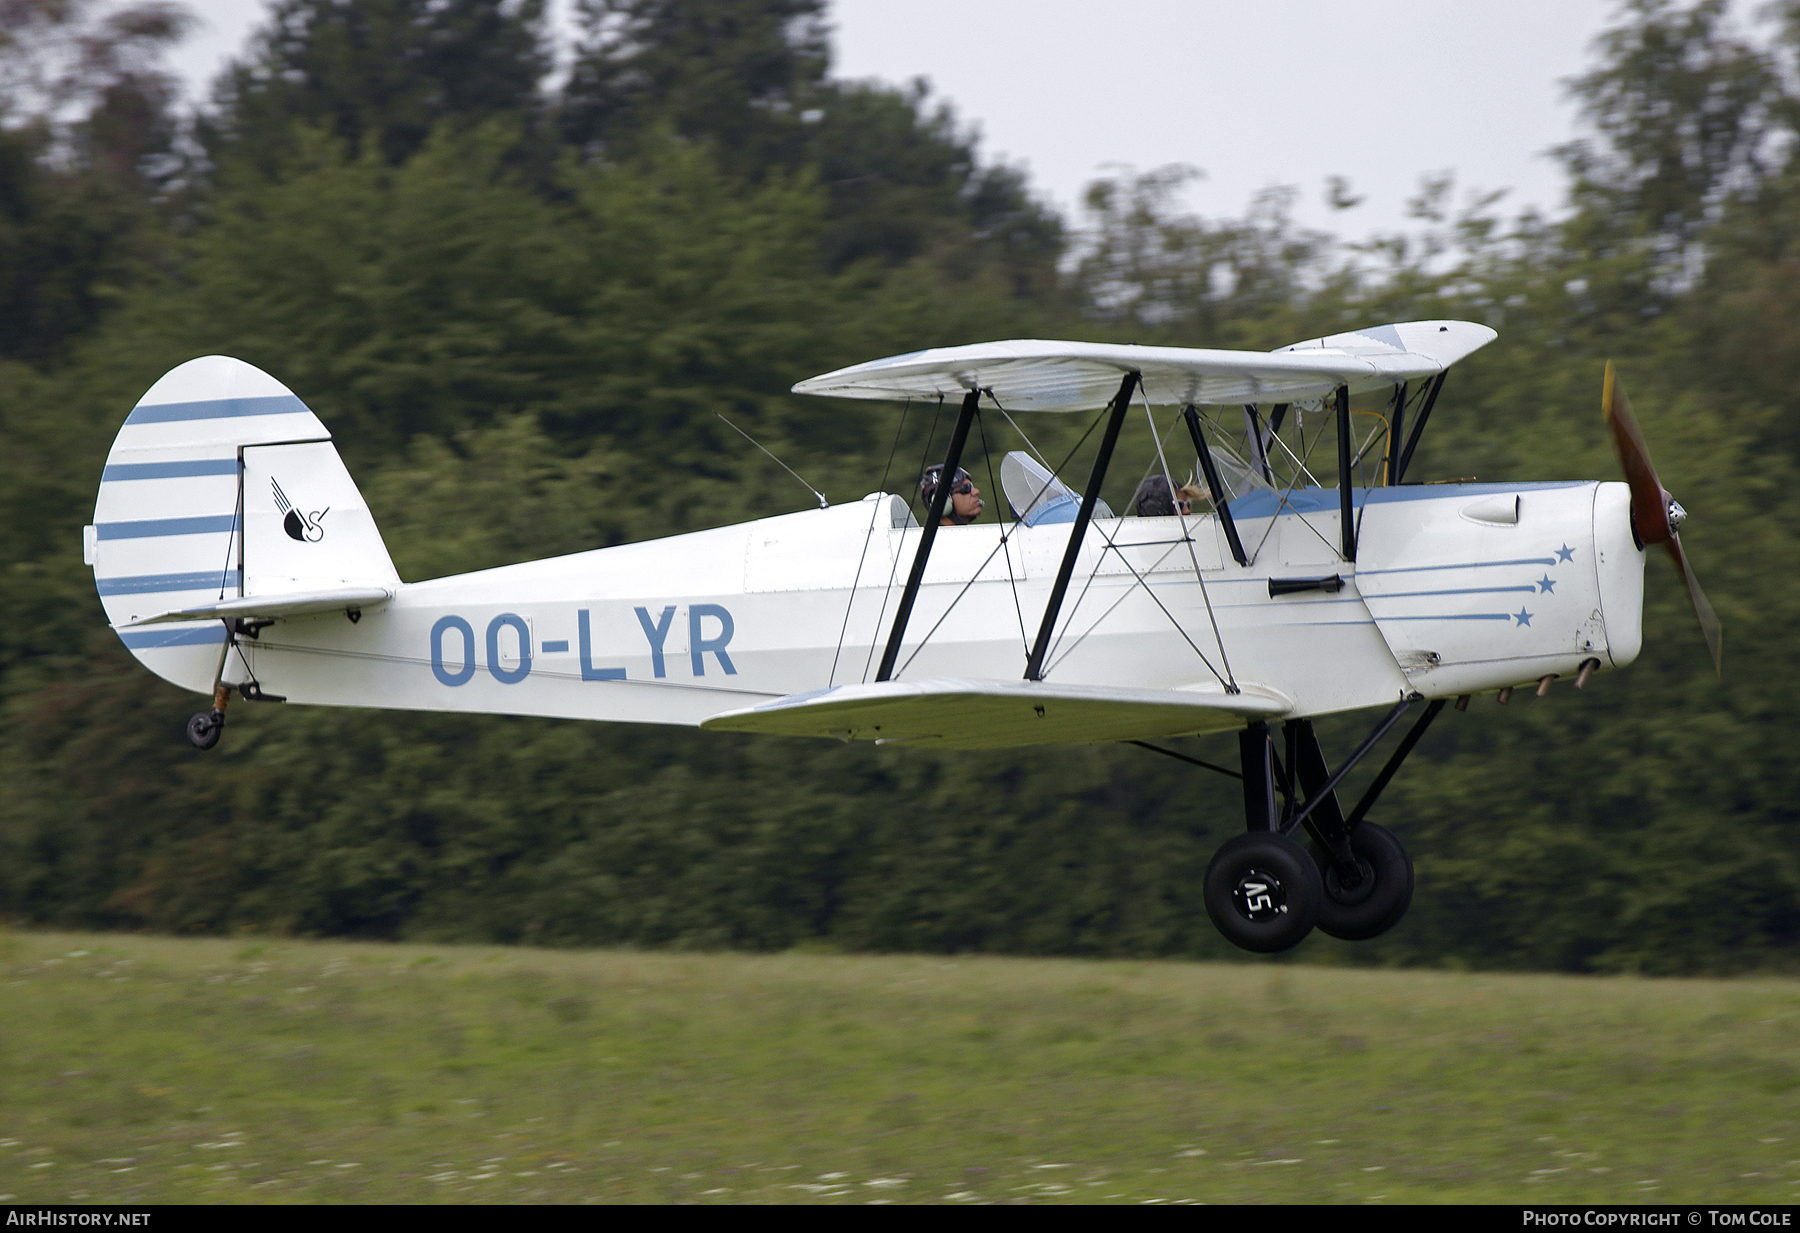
[[1266, 892]]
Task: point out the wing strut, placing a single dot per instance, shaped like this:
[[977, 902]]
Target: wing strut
[[1346, 523], [1412, 442], [1034, 667], [1394, 434], [1259, 445], [1214, 485], [938, 500], [1328, 789]]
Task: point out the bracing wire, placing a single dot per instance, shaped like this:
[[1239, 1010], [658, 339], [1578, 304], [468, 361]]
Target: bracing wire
[[1363, 475], [1187, 536], [234, 540], [1170, 753], [823, 503], [951, 607], [1015, 427], [997, 547], [868, 537], [1301, 470], [1375, 434], [987, 455], [1139, 581], [894, 566], [1112, 607]]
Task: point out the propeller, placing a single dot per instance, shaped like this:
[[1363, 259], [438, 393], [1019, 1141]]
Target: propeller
[[1656, 517]]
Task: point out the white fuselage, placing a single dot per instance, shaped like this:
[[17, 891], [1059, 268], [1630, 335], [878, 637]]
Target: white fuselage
[[1446, 597]]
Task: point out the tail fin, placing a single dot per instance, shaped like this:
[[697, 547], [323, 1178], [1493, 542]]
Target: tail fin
[[221, 483]]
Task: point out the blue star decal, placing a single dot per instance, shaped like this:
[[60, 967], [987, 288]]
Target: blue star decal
[[1546, 585], [1522, 617], [1565, 553]]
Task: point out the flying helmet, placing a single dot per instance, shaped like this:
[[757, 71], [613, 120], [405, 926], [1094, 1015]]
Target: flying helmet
[[928, 484]]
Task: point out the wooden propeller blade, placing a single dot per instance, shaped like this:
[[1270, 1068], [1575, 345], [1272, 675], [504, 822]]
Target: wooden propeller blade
[[1649, 503], [1650, 506], [1709, 622]]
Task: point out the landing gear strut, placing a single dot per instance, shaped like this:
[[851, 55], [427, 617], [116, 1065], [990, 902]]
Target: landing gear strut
[[1354, 880]]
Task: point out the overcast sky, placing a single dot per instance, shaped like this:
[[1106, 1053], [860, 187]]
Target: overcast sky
[[1252, 94]]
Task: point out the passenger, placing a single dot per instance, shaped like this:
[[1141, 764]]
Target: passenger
[[1153, 499], [964, 505]]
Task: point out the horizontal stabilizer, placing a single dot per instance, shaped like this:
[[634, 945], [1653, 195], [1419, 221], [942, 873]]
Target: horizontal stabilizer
[[966, 714], [295, 603]]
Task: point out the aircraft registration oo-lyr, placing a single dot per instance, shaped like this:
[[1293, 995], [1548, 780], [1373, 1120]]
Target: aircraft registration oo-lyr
[[233, 553]]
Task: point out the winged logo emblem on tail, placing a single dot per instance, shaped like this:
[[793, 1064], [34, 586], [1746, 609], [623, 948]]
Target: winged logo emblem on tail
[[303, 527]]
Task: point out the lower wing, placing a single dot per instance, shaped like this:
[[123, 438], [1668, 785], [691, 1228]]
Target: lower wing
[[966, 714]]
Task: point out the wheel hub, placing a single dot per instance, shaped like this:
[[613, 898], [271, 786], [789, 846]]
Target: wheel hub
[[1347, 895], [1259, 896]]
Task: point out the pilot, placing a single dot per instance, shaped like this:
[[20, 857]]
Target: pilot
[[964, 505]]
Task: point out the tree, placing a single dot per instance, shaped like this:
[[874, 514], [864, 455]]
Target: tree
[[746, 75], [1688, 117], [87, 134], [1149, 273], [525, 364], [378, 73], [750, 77]]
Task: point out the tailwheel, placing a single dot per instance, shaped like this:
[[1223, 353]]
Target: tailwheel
[[1374, 904], [204, 727], [1263, 891]]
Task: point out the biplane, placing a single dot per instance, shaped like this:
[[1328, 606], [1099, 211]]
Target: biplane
[[1310, 576]]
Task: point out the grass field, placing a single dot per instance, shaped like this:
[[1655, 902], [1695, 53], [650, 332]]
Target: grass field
[[138, 1069]]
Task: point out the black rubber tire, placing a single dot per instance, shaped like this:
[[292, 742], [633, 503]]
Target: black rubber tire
[[1263, 892], [204, 727], [1372, 912]]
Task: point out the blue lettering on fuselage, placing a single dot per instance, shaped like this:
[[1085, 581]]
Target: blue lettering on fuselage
[[461, 675], [699, 646], [658, 634], [511, 624], [586, 640], [508, 676]]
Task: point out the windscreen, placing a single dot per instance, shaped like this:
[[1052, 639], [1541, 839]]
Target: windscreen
[[1036, 496]]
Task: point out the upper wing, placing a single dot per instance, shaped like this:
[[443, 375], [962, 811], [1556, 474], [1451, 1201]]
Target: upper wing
[[1045, 375], [959, 714]]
